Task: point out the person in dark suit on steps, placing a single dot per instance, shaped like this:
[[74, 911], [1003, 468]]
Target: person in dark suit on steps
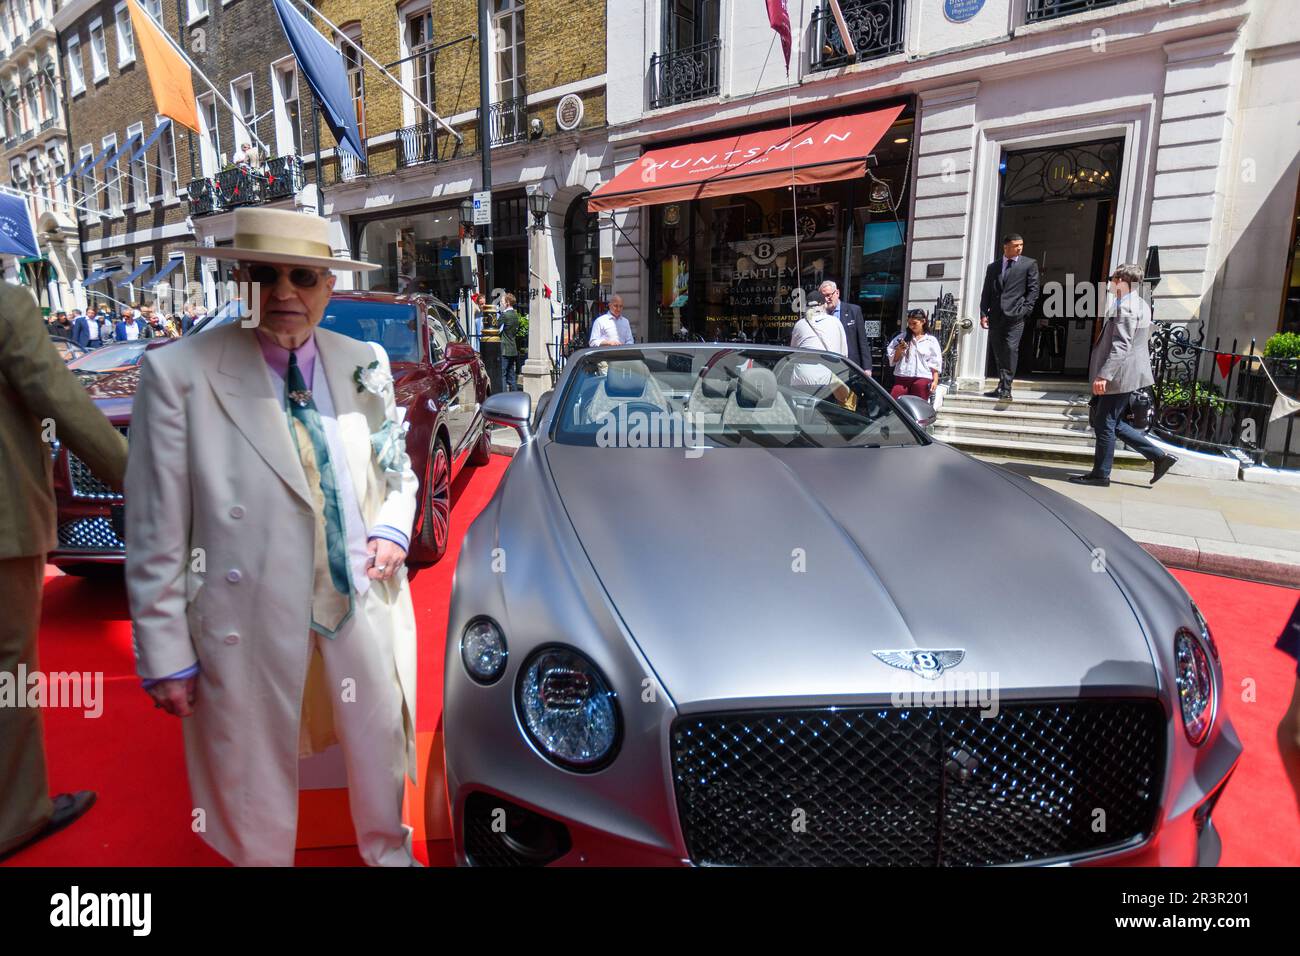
[[1008, 299]]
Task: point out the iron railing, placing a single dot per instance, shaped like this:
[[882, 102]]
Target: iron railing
[[279, 178], [351, 168], [508, 121], [690, 73], [1052, 9], [875, 26], [946, 327], [419, 144], [202, 197], [1214, 399]]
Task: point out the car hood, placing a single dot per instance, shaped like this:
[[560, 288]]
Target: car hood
[[747, 574]]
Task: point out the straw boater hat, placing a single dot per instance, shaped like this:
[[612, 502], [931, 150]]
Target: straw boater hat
[[280, 236]]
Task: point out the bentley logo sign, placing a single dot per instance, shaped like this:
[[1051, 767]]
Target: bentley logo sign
[[923, 662]]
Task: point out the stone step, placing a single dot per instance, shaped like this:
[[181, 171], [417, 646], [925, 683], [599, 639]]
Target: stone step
[[1039, 451], [1040, 385], [1016, 405], [1064, 418], [1079, 436]]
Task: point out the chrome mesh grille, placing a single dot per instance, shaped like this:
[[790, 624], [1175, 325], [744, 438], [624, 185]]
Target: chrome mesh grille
[[84, 482], [89, 534], [894, 787]]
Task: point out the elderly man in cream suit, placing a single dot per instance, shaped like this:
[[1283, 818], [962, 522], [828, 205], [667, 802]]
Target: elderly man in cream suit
[[264, 554]]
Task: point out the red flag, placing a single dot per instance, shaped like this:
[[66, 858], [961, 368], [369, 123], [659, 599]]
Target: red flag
[[1226, 361], [779, 17]]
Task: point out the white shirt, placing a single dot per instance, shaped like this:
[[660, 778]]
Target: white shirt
[[607, 327], [92, 330], [132, 330], [822, 333], [922, 360]]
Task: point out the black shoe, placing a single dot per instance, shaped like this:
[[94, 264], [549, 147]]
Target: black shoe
[[996, 393], [1099, 481], [1162, 467], [67, 808]]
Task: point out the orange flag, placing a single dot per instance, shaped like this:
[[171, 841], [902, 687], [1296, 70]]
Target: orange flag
[[169, 73]]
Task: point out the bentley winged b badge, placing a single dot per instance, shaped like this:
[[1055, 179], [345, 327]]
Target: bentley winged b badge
[[923, 662]]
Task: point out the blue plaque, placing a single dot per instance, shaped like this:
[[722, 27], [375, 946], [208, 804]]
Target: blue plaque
[[959, 11]]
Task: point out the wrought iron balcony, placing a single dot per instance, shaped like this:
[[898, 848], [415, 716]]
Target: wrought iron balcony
[[419, 144], [350, 168], [246, 186], [203, 198], [875, 26], [50, 123], [679, 76], [1036, 10], [508, 121], [25, 135]]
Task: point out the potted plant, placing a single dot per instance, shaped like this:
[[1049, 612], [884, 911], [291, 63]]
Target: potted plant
[[1283, 354], [521, 334]]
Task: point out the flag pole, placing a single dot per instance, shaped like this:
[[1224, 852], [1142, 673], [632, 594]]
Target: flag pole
[[203, 76], [388, 76]]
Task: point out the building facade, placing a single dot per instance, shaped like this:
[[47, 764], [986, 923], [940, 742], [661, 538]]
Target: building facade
[[35, 153], [1095, 128], [129, 164]]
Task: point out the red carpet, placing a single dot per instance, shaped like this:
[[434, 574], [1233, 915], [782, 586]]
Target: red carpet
[[132, 754]]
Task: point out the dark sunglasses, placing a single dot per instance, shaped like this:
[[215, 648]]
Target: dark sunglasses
[[301, 276]]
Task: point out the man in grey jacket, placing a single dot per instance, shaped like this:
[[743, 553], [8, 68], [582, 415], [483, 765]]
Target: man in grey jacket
[[1120, 364]]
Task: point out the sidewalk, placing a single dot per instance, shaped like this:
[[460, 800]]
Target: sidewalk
[[1237, 528]]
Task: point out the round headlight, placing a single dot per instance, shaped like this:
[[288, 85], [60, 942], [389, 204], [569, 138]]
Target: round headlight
[[1195, 685], [568, 709], [483, 650], [1205, 632]]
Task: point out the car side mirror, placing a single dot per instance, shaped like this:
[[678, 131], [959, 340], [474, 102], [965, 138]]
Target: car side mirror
[[459, 350], [510, 410], [922, 412], [542, 403]]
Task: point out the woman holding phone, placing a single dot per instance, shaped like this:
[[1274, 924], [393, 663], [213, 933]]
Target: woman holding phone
[[916, 358]]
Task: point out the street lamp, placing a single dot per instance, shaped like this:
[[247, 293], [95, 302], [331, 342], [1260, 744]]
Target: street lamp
[[467, 210], [538, 204]]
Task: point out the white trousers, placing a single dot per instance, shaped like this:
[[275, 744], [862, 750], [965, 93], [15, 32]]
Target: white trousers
[[368, 719]]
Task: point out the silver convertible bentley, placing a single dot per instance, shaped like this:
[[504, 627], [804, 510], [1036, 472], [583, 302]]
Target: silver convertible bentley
[[730, 605]]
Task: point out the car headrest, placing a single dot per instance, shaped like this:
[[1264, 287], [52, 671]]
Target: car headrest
[[626, 379], [715, 386], [757, 388]]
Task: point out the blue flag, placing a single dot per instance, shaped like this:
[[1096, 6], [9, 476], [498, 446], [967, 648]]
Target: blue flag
[[16, 236], [326, 74]]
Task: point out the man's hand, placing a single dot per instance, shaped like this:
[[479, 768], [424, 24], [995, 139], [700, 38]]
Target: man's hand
[[1099, 387], [388, 557], [175, 696], [984, 321]]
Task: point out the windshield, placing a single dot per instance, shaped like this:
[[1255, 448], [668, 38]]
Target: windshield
[[392, 325], [689, 396], [110, 357]]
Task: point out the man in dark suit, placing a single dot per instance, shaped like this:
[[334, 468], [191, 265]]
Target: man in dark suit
[[1009, 296], [121, 330], [850, 316]]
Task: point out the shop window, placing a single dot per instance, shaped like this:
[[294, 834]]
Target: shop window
[[416, 252]]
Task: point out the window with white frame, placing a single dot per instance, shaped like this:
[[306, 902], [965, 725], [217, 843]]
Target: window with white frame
[[89, 182], [31, 104], [419, 47], [125, 35], [209, 135], [353, 63], [139, 173], [154, 9], [58, 167], [197, 9], [288, 119], [76, 68], [166, 158], [98, 51], [112, 176], [508, 37], [245, 103]]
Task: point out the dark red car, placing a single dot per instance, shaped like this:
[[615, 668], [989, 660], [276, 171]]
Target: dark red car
[[439, 380]]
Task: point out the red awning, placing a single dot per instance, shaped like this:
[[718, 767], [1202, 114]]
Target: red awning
[[809, 152]]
